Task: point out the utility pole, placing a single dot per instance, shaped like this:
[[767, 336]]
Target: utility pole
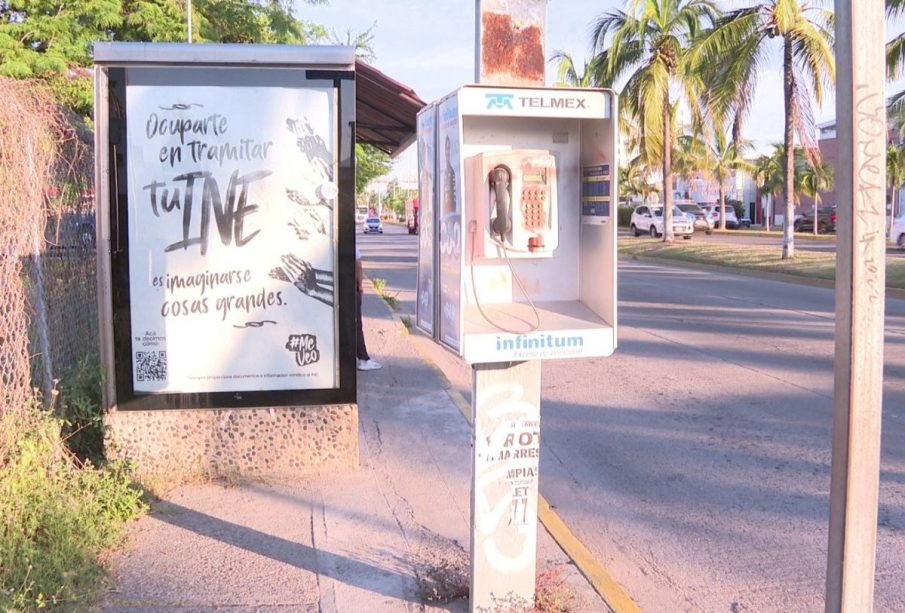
[[860, 304]]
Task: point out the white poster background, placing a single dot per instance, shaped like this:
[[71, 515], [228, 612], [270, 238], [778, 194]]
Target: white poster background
[[263, 315]]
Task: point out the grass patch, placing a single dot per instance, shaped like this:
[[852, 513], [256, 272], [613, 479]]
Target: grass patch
[[58, 514], [764, 258], [380, 285]]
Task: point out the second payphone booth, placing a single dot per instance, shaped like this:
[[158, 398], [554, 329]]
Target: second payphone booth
[[517, 264]]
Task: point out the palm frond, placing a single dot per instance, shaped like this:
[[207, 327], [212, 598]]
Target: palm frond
[[895, 56], [812, 48], [894, 7]]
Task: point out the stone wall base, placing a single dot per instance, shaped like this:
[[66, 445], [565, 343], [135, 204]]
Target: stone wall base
[[278, 442]]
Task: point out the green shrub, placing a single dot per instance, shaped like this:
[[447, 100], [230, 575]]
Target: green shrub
[[79, 407], [624, 215], [56, 514]]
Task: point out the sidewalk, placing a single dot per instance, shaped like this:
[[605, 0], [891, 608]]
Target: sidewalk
[[382, 538]]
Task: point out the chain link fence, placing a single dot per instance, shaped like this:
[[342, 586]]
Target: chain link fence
[[48, 304]]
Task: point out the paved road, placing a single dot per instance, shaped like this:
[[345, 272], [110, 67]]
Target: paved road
[[694, 463]]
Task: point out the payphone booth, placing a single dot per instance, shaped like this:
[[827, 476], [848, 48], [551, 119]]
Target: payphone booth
[[517, 264], [519, 186]]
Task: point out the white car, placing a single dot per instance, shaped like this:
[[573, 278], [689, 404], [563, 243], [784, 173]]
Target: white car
[[713, 210], [648, 219], [897, 232], [372, 225], [700, 217]]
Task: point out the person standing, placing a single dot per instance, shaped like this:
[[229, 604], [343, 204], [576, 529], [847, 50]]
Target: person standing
[[363, 360]]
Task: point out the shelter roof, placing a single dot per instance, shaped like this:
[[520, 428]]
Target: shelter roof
[[386, 110]]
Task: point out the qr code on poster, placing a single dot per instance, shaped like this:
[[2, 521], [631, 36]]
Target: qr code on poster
[[151, 365]]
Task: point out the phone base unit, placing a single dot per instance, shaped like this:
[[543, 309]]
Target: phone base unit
[[532, 273], [514, 203]]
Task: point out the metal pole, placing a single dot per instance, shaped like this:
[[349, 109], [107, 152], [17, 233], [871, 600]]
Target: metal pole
[[188, 13], [860, 302]]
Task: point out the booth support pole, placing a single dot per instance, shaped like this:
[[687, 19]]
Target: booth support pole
[[860, 303], [506, 451]]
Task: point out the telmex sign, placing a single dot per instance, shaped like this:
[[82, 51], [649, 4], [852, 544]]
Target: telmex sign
[[527, 102]]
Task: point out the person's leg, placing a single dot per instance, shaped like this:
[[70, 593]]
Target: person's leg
[[361, 350], [364, 360]]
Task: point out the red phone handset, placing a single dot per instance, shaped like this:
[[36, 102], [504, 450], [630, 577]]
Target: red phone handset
[[501, 184]]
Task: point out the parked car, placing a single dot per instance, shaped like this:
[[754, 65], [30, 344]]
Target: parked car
[[648, 219], [826, 220], [71, 230], [897, 232], [372, 225], [701, 220], [713, 210], [745, 222]]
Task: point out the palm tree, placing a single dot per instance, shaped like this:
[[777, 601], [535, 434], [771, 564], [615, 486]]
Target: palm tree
[[568, 76], [649, 41], [768, 178], [723, 158], [895, 173], [636, 180], [814, 179], [895, 49], [689, 155], [805, 29]]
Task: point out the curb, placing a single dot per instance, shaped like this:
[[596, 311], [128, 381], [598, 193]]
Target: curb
[[613, 594]]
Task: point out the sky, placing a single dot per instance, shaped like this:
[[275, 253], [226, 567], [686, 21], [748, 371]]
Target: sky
[[429, 45]]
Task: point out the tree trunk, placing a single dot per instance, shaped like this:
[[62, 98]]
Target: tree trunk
[[815, 217], [788, 237], [722, 205], [668, 235], [769, 199]]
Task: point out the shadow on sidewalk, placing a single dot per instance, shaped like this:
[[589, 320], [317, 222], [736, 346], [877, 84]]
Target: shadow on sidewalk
[[324, 563]]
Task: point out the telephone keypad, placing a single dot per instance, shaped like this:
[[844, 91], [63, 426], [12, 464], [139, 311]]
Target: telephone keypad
[[534, 208]]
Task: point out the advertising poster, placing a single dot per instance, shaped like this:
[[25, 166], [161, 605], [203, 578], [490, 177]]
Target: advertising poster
[[427, 157], [231, 196], [450, 196]]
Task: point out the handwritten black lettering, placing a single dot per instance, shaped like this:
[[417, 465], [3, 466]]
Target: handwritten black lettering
[[869, 201], [229, 218], [215, 124]]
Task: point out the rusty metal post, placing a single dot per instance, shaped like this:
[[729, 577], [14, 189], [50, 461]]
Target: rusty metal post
[[509, 42]]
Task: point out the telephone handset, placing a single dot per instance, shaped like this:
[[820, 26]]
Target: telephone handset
[[501, 184]]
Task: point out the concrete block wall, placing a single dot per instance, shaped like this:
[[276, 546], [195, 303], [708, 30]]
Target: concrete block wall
[[278, 442]]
